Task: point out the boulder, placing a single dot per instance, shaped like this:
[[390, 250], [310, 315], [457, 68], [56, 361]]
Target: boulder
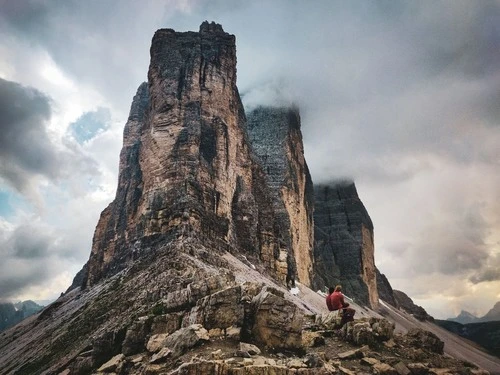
[[106, 345], [166, 323], [384, 369], [136, 336], [418, 369], [277, 323], [426, 340], [351, 354], [161, 356], [156, 342], [401, 368], [249, 348], [328, 321], [219, 310], [112, 364], [313, 360], [359, 333], [185, 338], [312, 339], [383, 328]]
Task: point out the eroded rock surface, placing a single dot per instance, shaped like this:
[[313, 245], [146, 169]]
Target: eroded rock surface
[[343, 242], [277, 142], [186, 167]]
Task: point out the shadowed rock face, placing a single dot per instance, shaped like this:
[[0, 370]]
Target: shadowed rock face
[[403, 302], [385, 291], [186, 167], [343, 242], [277, 142]]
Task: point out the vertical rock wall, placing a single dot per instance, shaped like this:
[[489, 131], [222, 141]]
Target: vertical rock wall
[[186, 167], [113, 229], [343, 248], [277, 142]]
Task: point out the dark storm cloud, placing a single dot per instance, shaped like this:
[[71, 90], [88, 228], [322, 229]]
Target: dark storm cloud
[[27, 255], [25, 148], [491, 272], [29, 243], [91, 41]]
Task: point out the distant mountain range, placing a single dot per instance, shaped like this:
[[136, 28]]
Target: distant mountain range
[[466, 317], [13, 313]]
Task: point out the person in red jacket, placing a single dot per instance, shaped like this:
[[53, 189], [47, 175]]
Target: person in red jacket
[[335, 301]]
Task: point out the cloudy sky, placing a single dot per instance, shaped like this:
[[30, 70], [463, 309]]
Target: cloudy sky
[[403, 97]]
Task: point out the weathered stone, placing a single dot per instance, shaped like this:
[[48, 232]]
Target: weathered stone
[[186, 338], [295, 363], [186, 165], [401, 368], [313, 360], [156, 342], [418, 369], [312, 339], [351, 354], [81, 365], [369, 361], [166, 323], [277, 142], [135, 337], [249, 348], [216, 354], [112, 364], [384, 369], [420, 338], [106, 345], [277, 323], [346, 371], [359, 333], [219, 310], [161, 356], [343, 242], [382, 328], [384, 288], [405, 303], [329, 321]]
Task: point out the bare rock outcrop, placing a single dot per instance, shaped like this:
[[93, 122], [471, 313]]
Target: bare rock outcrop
[[277, 142], [186, 167], [405, 303], [343, 242]]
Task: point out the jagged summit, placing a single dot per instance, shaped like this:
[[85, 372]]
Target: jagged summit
[[211, 27], [186, 167]]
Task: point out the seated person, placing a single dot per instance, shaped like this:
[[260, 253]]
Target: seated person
[[335, 301]]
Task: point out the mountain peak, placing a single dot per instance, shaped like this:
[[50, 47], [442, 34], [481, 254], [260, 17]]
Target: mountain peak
[[211, 27]]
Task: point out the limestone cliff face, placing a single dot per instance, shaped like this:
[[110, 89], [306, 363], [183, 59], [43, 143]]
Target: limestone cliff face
[[277, 142], [186, 168], [343, 242]]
